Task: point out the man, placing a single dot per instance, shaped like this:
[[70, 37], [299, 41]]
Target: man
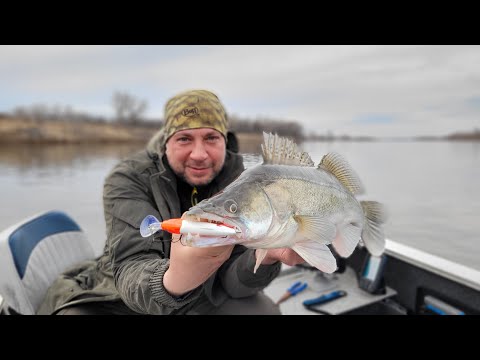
[[184, 163]]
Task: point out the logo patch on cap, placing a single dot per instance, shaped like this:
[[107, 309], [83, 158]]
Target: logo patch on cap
[[190, 111]]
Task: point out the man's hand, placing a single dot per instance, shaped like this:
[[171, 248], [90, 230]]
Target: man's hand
[[191, 267], [284, 255]]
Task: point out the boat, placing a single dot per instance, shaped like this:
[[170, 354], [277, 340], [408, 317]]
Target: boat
[[403, 281], [33, 253]]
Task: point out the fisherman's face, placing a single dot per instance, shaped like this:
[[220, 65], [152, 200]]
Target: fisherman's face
[[196, 155]]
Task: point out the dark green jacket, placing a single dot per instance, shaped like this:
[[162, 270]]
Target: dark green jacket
[[132, 267]]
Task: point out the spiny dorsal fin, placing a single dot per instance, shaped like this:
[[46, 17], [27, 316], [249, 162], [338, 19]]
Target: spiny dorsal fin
[[341, 169], [278, 150]]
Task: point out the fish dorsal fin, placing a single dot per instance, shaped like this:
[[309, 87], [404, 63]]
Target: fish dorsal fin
[[278, 150], [341, 169]]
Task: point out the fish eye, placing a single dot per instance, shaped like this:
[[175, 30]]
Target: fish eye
[[231, 206]]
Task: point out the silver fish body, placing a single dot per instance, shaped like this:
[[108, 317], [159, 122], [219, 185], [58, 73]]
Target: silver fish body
[[301, 207]]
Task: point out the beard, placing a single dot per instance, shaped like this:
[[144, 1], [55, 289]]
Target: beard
[[181, 173], [198, 182]]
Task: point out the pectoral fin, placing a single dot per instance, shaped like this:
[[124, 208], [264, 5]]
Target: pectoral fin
[[316, 228], [316, 254]]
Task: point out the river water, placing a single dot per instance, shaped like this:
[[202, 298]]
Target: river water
[[430, 188]]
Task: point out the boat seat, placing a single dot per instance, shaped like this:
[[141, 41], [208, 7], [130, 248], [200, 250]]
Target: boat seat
[[33, 253]]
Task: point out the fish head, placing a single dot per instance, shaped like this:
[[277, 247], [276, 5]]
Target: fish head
[[244, 206]]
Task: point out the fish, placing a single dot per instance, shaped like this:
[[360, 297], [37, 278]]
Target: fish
[[288, 202]]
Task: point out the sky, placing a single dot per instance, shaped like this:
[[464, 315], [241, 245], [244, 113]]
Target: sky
[[358, 90]]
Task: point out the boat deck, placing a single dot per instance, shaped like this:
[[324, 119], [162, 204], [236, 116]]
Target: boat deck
[[356, 300]]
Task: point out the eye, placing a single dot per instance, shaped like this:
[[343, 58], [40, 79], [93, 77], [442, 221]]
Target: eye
[[231, 206], [212, 138], [183, 139]]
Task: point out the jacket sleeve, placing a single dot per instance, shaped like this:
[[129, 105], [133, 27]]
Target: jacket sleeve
[[138, 264], [237, 277]]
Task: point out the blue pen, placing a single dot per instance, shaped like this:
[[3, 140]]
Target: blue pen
[[324, 298], [292, 291]]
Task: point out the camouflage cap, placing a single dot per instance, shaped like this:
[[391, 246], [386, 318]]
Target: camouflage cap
[[194, 109]]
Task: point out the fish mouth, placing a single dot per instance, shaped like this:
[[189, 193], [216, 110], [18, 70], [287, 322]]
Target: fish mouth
[[203, 216]]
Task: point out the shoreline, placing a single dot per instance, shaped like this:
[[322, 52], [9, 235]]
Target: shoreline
[[50, 132], [16, 131]]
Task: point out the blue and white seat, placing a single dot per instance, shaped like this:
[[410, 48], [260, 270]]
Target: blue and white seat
[[34, 252]]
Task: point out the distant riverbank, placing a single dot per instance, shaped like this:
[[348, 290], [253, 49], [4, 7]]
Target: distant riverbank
[[28, 131], [15, 130]]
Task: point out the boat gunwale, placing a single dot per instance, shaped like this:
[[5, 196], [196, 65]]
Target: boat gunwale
[[445, 268]]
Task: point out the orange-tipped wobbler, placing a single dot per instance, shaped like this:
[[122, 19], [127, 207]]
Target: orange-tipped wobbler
[[150, 225]]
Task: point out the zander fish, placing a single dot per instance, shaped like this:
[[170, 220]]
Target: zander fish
[[288, 202]]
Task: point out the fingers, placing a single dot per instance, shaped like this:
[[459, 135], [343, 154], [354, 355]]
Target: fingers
[[290, 257], [214, 252], [284, 255], [176, 237]]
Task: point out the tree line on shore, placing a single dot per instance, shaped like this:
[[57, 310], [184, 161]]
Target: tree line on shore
[[129, 111]]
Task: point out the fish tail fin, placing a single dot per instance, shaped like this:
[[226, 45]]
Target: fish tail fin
[[373, 235]]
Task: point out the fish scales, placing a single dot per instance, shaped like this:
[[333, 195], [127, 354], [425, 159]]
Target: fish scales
[[287, 202]]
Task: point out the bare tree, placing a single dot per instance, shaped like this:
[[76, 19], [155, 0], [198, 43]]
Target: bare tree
[[128, 109]]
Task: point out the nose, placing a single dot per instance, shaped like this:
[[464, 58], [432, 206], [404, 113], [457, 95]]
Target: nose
[[198, 152], [194, 211], [200, 210]]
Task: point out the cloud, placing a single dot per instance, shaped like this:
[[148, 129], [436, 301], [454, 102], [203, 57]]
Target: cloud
[[374, 119], [474, 102], [323, 87]]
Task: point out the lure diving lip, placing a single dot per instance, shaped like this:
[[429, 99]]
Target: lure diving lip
[[150, 225]]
